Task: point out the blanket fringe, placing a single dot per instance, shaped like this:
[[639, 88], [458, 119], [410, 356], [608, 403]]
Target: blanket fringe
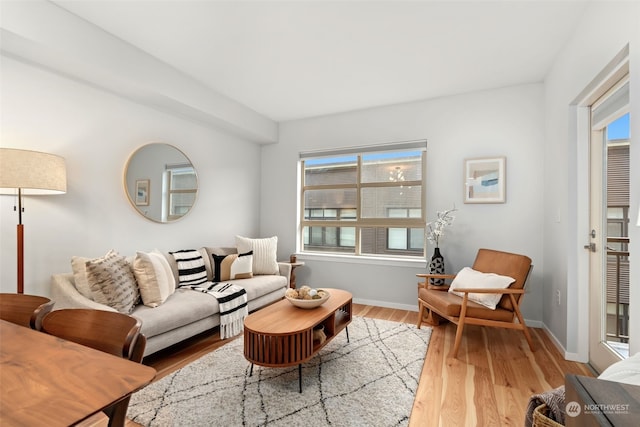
[[233, 306]]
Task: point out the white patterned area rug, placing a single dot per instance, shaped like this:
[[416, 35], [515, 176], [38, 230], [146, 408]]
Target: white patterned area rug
[[369, 381]]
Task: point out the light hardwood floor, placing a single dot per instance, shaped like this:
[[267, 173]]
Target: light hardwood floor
[[489, 384]]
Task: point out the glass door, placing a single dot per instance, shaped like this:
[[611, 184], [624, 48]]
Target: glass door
[[609, 224]]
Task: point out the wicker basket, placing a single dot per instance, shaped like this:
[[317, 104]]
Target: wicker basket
[[540, 418]]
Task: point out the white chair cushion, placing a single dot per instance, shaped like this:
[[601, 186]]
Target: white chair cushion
[[469, 278]]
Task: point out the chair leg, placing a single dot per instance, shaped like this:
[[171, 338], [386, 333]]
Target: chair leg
[[528, 337], [461, 320], [525, 330], [420, 313], [427, 315], [456, 345], [118, 413]]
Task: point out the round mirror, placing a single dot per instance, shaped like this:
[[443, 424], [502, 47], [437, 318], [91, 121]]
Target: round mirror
[[160, 182]]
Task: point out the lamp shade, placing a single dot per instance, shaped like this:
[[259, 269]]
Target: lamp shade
[[32, 172]]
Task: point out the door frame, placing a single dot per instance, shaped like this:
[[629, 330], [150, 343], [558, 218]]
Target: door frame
[[578, 279]]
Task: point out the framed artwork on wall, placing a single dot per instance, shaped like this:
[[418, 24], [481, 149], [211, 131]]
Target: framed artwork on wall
[[142, 192], [485, 180]]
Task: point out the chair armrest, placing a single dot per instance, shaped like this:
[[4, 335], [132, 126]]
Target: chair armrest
[[65, 294], [426, 285], [489, 291], [437, 276]]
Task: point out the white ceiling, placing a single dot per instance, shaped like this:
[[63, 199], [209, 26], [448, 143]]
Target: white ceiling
[[296, 59]]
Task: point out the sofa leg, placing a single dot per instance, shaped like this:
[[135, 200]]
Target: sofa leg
[[420, 313]]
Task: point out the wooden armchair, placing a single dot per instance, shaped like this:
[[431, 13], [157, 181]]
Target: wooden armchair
[[436, 303], [111, 332], [24, 310]]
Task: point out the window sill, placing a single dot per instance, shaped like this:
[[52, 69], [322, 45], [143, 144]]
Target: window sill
[[361, 259]]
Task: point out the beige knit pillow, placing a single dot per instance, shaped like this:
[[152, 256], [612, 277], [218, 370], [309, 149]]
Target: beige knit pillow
[[79, 267], [112, 282]]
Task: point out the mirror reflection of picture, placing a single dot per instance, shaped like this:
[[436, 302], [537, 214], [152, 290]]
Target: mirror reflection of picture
[[485, 180], [142, 192]]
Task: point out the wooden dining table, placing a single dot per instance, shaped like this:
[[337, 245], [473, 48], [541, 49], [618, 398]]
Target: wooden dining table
[[45, 380]]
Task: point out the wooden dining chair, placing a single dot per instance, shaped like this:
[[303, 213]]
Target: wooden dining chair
[[108, 331], [24, 310]]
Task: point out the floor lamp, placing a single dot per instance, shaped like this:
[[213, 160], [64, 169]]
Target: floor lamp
[[25, 173]]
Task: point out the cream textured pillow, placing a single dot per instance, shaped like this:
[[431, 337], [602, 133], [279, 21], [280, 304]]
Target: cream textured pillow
[[112, 282], [79, 267], [154, 276], [470, 278], [264, 253]]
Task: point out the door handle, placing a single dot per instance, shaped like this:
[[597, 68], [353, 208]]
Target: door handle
[[591, 247]]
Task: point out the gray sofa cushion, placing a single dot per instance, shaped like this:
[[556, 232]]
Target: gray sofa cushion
[[261, 285], [172, 314]]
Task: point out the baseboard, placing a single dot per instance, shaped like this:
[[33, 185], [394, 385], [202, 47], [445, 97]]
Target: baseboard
[[572, 357], [554, 340], [386, 304], [533, 323]]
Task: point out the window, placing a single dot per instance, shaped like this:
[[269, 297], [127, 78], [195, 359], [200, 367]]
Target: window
[[368, 202], [179, 190], [411, 239]]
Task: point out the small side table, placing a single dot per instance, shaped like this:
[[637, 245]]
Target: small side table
[[292, 279]]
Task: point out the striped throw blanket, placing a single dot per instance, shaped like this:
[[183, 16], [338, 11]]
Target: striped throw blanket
[[233, 305]]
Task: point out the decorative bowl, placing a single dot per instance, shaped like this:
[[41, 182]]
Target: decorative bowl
[[309, 303]]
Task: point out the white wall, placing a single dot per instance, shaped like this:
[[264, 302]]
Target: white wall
[[603, 32], [505, 122], [96, 132]]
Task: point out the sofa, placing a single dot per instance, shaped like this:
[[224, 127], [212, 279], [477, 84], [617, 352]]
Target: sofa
[[182, 312]]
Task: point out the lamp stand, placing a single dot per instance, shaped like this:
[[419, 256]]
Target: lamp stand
[[33, 173], [20, 234]]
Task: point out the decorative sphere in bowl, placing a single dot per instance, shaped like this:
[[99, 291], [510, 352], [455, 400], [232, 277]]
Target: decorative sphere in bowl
[[305, 297]]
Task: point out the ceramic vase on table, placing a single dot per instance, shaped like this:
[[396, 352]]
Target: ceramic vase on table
[[436, 266]]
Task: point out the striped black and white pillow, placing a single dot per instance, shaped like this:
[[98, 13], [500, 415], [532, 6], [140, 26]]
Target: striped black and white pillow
[[191, 269]]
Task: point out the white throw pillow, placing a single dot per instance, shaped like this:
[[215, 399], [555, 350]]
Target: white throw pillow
[[154, 276], [265, 257], [79, 268], [469, 278], [625, 371]]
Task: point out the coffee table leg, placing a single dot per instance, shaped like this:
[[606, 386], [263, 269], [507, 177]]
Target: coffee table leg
[[346, 329], [251, 370], [300, 377]]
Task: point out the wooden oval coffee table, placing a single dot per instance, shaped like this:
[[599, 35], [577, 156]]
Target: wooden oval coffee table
[[281, 335]]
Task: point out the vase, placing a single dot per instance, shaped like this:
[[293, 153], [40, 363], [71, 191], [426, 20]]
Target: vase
[[436, 266]]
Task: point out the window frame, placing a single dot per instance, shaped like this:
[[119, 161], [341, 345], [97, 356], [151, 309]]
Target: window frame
[[360, 223]]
